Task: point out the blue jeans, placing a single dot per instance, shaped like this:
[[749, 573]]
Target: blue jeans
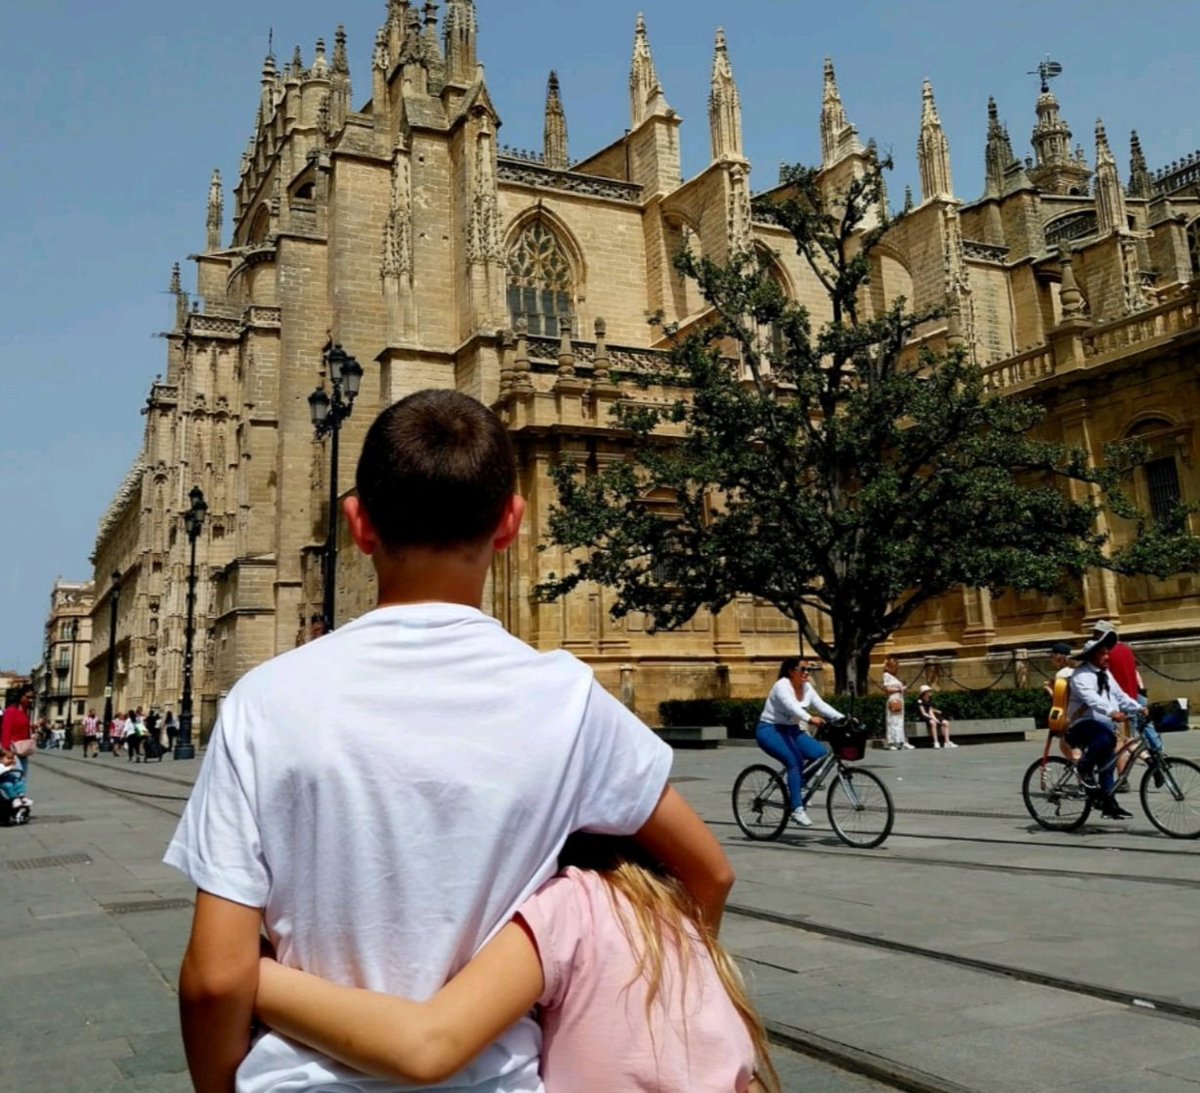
[[1099, 742], [1147, 726], [793, 749]]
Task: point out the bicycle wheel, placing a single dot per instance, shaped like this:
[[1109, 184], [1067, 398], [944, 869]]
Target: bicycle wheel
[[1174, 806], [1055, 797], [760, 803], [860, 808]]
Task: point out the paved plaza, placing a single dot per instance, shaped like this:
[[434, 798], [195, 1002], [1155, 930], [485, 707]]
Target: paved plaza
[[973, 951]]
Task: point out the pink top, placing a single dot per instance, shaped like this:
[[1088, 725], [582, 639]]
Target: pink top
[[597, 1036]]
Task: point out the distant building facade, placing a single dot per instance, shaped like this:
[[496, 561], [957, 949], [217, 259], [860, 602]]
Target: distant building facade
[[62, 677], [406, 232]]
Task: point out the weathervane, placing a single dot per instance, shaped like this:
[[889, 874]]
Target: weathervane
[[1047, 70]]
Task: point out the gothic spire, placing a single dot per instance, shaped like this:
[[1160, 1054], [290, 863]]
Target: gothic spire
[[933, 150], [216, 211], [461, 32], [555, 133], [645, 92], [1110, 198], [267, 102], [297, 67], [838, 137], [999, 155], [724, 106], [320, 65], [340, 63], [1140, 182]]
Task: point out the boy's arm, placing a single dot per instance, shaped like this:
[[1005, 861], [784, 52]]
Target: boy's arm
[[678, 838], [402, 1041], [216, 990]]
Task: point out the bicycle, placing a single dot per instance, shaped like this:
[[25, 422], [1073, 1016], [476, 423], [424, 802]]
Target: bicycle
[[1059, 799], [858, 804]]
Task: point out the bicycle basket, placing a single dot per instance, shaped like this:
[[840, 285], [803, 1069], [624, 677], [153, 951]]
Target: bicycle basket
[[1169, 716], [848, 739]]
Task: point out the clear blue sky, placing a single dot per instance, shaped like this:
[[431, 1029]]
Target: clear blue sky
[[115, 115]]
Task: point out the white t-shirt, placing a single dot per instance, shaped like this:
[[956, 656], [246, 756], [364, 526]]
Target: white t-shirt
[[390, 794], [784, 708]]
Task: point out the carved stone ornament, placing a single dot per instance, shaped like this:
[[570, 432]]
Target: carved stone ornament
[[543, 178]]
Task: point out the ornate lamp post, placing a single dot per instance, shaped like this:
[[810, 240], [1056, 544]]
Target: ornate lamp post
[[193, 521], [328, 412], [106, 737]]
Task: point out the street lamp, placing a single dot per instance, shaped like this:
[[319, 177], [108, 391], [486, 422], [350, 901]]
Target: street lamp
[[328, 412], [106, 743], [193, 521]]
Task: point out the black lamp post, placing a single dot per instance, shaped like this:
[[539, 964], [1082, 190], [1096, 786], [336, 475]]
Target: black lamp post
[[106, 743], [328, 412], [193, 521]]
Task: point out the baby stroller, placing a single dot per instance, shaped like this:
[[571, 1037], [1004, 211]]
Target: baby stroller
[[15, 805], [151, 748]]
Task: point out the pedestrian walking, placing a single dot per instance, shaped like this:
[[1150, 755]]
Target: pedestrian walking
[[172, 730], [91, 735], [135, 734], [117, 733]]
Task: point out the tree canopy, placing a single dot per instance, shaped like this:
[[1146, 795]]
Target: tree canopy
[[832, 472]]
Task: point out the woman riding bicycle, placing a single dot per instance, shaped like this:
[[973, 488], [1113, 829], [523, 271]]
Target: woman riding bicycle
[[784, 723]]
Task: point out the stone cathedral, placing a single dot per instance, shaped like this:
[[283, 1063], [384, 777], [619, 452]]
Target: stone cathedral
[[403, 229]]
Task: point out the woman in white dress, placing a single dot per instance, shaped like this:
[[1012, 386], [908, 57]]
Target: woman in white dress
[[894, 717]]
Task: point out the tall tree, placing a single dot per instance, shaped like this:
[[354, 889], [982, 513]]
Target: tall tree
[[831, 473]]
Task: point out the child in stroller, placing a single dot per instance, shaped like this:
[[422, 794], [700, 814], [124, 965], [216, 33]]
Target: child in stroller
[[15, 804]]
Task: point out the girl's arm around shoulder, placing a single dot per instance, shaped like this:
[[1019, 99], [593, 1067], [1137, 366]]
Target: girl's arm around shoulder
[[402, 1041], [678, 838]]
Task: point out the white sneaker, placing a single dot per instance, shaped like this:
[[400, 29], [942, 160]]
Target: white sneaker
[[906, 746], [937, 745], [951, 744], [801, 817]]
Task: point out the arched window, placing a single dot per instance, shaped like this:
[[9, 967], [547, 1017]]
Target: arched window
[[1193, 239], [1160, 473], [771, 340], [539, 280]]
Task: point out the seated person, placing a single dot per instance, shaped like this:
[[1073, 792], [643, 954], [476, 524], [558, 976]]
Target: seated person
[[12, 780], [933, 717]]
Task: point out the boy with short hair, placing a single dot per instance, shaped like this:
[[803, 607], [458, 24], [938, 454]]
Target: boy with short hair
[[464, 761]]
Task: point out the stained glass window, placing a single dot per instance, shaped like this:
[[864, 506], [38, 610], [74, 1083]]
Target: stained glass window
[[539, 280]]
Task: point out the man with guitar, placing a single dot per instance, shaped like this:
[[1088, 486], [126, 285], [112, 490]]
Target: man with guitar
[[1095, 706]]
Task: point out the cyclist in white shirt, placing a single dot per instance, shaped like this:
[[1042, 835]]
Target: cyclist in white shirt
[[1096, 704], [784, 723]]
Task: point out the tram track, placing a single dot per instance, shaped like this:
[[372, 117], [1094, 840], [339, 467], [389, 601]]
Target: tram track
[[1144, 1003], [141, 797], [982, 867], [1186, 847]]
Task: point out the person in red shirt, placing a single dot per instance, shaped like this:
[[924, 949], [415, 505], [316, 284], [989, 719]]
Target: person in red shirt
[[16, 724], [1122, 666]]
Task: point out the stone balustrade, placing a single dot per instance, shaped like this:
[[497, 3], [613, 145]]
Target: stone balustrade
[[1023, 370]]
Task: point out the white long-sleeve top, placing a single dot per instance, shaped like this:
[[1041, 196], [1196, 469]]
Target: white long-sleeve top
[[1087, 700], [784, 708]]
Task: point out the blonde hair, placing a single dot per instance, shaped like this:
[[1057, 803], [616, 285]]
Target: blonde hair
[[655, 914]]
